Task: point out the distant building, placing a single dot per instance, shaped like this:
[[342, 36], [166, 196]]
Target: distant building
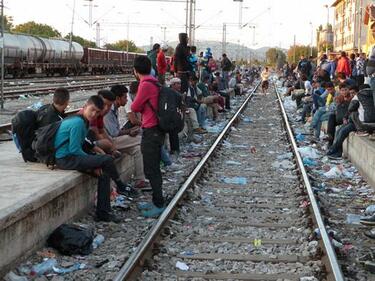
[[349, 30], [324, 38]]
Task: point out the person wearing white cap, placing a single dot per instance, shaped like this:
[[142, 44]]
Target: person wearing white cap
[[175, 84]]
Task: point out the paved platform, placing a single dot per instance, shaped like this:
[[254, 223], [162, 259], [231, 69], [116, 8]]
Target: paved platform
[[34, 200], [361, 152]]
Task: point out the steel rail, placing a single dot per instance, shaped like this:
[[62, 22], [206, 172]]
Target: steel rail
[[329, 251], [129, 268], [44, 90]]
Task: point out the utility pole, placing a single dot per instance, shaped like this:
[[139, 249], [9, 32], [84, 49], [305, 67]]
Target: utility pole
[[164, 29], [187, 16], [327, 29], [311, 43], [360, 26], [191, 22], [98, 34], [127, 39], [2, 54], [294, 49], [71, 30], [224, 42]]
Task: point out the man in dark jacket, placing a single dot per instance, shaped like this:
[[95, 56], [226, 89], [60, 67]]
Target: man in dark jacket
[[226, 66], [181, 62], [54, 112], [152, 55]]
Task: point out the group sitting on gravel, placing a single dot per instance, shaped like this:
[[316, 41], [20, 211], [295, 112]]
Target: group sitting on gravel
[[135, 121]]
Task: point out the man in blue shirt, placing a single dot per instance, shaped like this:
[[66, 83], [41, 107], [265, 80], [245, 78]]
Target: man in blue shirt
[[70, 156]]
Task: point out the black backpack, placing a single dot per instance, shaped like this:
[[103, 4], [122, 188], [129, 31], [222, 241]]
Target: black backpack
[[169, 114], [72, 239], [24, 125], [44, 143]]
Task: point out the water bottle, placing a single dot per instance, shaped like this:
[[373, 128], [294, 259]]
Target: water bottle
[[99, 239], [44, 267]]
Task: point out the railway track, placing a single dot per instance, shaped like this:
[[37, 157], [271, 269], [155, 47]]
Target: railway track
[[246, 212], [44, 90], [69, 79]]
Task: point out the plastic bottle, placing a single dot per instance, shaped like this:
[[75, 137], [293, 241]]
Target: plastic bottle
[[98, 240], [43, 267]]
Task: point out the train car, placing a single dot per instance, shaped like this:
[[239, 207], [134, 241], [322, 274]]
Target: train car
[[103, 61], [27, 54]]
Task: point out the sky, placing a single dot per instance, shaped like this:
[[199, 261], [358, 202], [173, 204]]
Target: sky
[[276, 21]]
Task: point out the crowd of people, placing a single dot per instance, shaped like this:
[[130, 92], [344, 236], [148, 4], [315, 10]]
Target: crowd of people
[[126, 120], [338, 90]]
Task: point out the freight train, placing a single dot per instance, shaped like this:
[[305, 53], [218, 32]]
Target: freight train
[[28, 54]]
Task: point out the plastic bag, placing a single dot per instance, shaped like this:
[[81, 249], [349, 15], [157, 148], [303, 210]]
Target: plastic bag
[[72, 239]]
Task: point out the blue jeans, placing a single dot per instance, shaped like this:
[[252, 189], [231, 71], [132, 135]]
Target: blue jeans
[[320, 115], [341, 135], [226, 79], [165, 156], [202, 115], [372, 84]]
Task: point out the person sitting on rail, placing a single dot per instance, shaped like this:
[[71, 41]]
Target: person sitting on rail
[[341, 78], [197, 110], [341, 114], [152, 136], [204, 96], [324, 111], [362, 110], [70, 156], [222, 90], [308, 102], [54, 112], [126, 139], [193, 109]]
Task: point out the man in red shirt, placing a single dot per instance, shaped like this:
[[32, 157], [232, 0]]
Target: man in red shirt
[[152, 136], [162, 64], [343, 65]]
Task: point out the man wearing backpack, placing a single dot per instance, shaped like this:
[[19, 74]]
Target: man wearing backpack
[[147, 102], [55, 111], [69, 155], [26, 122]]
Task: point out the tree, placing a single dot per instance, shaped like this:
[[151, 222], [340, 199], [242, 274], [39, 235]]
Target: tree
[[122, 45], [8, 23], [300, 50], [275, 57], [38, 29], [82, 41]]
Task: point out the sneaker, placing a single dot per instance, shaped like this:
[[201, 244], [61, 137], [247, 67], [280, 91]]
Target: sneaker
[[370, 234], [368, 220], [334, 157], [129, 192], [107, 217], [199, 131], [173, 167], [154, 212], [145, 205], [142, 185], [361, 134]]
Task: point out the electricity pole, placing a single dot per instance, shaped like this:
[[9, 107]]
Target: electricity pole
[[71, 30], [2, 53], [224, 43]]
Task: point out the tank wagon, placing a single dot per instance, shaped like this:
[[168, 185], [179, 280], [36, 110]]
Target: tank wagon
[[28, 54]]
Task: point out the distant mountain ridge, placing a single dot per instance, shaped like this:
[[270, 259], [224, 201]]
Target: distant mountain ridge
[[234, 51]]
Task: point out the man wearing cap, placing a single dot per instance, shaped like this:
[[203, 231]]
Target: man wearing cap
[[175, 84]]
